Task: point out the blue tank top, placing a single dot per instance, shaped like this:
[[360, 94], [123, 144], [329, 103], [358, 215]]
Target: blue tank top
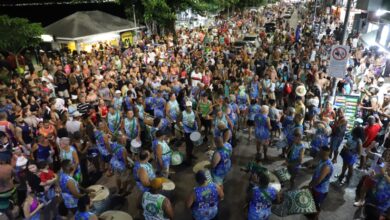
[[149, 103], [131, 128], [253, 110], [224, 164], [261, 202], [323, 186], [149, 170], [43, 152], [205, 197], [242, 99], [83, 215], [295, 152]]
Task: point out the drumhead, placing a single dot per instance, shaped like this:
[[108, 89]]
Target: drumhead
[[176, 158], [135, 143], [168, 186], [101, 192], [195, 136], [116, 215], [200, 166]]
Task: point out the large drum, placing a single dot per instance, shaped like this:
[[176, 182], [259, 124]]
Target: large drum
[[135, 146], [168, 188], [176, 158], [100, 201], [115, 215], [196, 138]]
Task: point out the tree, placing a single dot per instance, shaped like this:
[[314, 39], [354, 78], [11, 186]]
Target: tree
[[17, 34]]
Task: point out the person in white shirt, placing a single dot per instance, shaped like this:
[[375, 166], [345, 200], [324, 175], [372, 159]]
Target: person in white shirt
[[74, 125], [196, 77]]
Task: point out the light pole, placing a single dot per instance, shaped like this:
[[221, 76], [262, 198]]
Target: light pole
[[345, 25], [135, 21]]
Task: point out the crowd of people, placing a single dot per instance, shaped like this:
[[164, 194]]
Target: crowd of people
[[81, 114]]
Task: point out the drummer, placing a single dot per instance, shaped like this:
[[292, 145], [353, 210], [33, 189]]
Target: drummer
[[159, 105], [83, 206], [155, 205], [172, 110], [71, 191], [113, 120], [163, 153], [189, 120], [220, 163], [143, 171], [221, 118], [131, 127], [204, 199], [261, 198], [119, 163]]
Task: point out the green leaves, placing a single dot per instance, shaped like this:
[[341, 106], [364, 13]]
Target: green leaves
[[18, 33]]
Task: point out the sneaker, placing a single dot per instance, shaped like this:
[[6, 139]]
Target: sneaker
[[358, 204]]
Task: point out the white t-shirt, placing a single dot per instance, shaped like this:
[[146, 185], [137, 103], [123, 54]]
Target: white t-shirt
[[196, 78]]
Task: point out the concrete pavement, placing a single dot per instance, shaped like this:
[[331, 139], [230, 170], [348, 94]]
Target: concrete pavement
[[337, 206]]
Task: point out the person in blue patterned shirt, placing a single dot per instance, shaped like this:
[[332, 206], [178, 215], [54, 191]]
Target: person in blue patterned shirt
[[261, 198]]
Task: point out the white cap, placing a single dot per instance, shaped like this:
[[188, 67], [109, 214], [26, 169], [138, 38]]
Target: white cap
[[381, 79], [118, 92], [74, 97], [76, 114], [189, 104], [21, 161]]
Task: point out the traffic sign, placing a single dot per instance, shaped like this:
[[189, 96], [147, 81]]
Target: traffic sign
[[338, 60]]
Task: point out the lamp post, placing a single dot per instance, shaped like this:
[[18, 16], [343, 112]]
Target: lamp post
[[135, 21], [345, 25]]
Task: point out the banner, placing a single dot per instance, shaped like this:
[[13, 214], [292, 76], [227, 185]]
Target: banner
[[350, 104], [127, 39]]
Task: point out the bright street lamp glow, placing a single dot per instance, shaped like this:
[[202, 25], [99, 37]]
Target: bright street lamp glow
[[46, 38], [381, 12]]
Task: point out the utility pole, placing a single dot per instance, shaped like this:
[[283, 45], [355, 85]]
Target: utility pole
[[345, 25], [135, 21]]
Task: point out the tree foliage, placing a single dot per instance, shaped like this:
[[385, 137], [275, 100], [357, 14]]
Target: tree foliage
[[18, 33]]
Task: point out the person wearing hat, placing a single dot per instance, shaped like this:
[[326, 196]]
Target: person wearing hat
[[220, 162], [190, 124], [154, 204], [203, 200], [143, 171], [118, 100], [162, 152], [319, 184]]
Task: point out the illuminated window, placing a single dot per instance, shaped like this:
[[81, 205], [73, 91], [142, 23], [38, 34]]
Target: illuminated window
[[384, 35]]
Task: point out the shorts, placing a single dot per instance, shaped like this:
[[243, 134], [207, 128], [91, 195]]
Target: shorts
[[335, 143], [318, 197], [250, 123], [348, 157], [275, 125], [368, 182], [205, 122]]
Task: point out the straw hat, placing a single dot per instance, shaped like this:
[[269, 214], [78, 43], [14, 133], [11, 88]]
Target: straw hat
[[300, 90]]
